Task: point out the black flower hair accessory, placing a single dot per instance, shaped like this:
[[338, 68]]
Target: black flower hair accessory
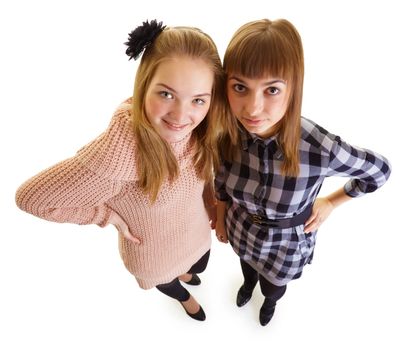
[[142, 36]]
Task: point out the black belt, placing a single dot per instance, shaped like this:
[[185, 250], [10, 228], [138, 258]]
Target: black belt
[[283, 223]]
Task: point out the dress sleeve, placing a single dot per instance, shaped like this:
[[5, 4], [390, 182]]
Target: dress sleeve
[[77, 189], [368, 170]]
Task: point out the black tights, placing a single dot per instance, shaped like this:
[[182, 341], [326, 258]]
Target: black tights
[[271, 292], [174, 289]]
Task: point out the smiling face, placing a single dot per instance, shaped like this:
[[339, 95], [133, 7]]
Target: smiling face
[[258, 104], [178, 97]]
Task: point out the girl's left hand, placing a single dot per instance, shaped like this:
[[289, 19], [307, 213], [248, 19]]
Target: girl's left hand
[[322, 208], [212, 215]]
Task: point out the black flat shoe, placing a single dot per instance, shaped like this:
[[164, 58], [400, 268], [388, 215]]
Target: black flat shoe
[[243, 297], [199, 315], [266, 314], [195, 280]]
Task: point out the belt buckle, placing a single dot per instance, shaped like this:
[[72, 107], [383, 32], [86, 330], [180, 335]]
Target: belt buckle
[[257, 219]]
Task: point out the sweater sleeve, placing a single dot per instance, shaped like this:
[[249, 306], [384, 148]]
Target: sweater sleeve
[[77, 189]]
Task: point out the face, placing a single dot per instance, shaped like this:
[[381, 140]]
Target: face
[[258, 104], [178, 97]]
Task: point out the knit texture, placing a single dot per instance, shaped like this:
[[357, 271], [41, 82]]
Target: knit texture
[[102, 178]]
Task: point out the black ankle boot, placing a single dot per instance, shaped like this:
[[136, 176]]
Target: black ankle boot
[[243, 296], [267, 311]]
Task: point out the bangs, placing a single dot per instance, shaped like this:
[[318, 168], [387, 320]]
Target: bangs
[[259, 54]]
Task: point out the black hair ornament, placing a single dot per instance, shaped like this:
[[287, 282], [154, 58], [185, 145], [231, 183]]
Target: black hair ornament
[[142, 36]]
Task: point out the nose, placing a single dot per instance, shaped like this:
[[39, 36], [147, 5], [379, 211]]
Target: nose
[[254, 104], [179, 113]]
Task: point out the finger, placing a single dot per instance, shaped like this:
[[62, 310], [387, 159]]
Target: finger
[[311, 218], [221, 238], [313, 226], [132, 238], [309, 229]]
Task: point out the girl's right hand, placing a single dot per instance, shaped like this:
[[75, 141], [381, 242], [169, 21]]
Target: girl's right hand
[[122, 227], [221, 231]]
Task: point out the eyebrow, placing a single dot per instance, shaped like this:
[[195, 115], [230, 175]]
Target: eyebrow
[[171, 89], [265, 83]]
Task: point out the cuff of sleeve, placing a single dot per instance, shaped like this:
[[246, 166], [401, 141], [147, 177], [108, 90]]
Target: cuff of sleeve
[[106, 215], [352, 189]]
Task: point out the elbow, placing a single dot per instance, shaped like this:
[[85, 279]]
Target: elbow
[[386, 169], [20, 198], [25, 200], [382, 171]]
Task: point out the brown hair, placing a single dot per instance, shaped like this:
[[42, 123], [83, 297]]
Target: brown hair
[[156, 162], [272, 48]]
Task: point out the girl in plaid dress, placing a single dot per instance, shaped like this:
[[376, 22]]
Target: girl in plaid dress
[[274, 162]]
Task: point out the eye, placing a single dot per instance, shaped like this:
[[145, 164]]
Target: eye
[[273, 90], [167, 95], [239, 88], [199, 101]]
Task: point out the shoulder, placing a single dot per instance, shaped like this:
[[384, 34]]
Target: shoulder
[[122, 117], [120, 134], [114, 151], [315, 136]]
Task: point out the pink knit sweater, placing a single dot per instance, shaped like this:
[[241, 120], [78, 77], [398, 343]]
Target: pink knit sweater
[[101, 178]]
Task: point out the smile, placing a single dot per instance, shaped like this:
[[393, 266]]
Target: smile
[[175, 127]]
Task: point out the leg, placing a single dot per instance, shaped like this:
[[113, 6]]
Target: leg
[[250, 281], [272, 294], [175, 290], [191, 276], [201, 264]]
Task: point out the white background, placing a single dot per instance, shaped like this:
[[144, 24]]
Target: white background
[[63, 71]]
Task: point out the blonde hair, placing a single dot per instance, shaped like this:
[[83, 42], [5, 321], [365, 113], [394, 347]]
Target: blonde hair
[[271, 48], [156, 162]]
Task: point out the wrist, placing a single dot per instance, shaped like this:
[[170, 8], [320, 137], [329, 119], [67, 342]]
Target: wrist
[[331, 202]]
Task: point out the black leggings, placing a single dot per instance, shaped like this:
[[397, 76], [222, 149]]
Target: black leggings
[[269, 290], [174, 289]]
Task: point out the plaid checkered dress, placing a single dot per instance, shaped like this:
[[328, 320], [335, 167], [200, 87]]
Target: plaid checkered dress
[[253, 184]]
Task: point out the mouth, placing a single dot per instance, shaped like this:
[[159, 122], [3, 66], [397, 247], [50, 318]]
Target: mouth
[[252, 122], [174, 126]]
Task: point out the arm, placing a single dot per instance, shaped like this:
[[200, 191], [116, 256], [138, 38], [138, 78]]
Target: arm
[[220, 228], [368, 171], [67, 192], [77, 189], [210, 203], [222, 197], [323, 207]]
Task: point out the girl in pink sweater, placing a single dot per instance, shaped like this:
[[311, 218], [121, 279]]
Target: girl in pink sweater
[[150, 172]]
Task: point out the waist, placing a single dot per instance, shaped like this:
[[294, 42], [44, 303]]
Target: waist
[[296, 220]]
